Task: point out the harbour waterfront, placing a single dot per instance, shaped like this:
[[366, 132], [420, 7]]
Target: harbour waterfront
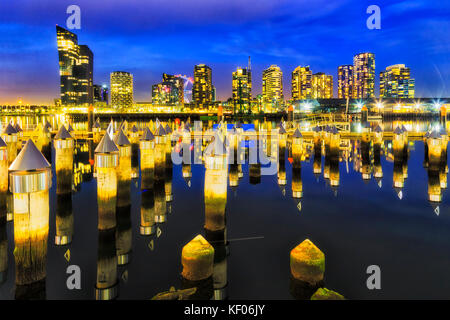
[[373, 201]]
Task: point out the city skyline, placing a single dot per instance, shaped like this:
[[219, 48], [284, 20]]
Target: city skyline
[[148, 50]]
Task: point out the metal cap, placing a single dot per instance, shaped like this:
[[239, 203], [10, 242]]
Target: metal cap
[[378, 129], [9, 129], [160, 131], [398, 130], [63, 134], [106, 145], [167, 129], [69, 128], [120, 139], [147, 135], [2, 143], [29, 158], [18, 128], [297, 134]]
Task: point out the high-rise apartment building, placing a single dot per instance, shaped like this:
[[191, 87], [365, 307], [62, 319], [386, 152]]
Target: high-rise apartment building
[[345, 81], [396, 82], [76, 64], [242, 88], [100, 93], [301, 83], [121, 89], [364, 75], [202, 87], [322, 86], [272, 86]]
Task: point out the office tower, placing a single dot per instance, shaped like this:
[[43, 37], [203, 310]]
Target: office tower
[[272, 87], [179, 84], [202, 88], [100, 93], [301, 83], [76, 69], [242, 88], [121, 89], [322, 86], [345, 81], [396, 82], [364, 75], [166, 93]]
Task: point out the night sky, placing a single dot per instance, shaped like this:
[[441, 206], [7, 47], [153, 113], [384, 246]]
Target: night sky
[[150, 37]]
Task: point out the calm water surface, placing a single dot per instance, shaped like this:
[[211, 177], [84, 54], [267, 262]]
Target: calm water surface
[[357, 224]]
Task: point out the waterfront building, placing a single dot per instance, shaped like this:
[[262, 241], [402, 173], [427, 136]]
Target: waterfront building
[[202, 90], [121, 89], [76, 64], [396, 82], [364, 75], [322, 86], [100, 94], [301, 83], [345, 81], [242, 88], [272, 86]]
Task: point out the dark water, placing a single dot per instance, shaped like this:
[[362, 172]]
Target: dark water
[[356, 225]]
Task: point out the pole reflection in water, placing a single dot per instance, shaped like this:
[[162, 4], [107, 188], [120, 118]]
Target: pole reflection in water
[[282, 136], [123, 209], [30, 180], [64, 144], [186, 149], [215, 205], [332, 157], [297, 150], [234, 171], [254, 163], [134, 139], [399, 161], [107, 160], [377, 143], [317, 162], [435, 144], [3, 193], [159, 183], [366, 153], [168, 168]]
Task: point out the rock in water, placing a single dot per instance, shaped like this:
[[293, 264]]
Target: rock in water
[[326, 294], [307, 263]]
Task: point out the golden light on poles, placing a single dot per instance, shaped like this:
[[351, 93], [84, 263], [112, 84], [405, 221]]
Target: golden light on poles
[[9, 135], [399, 159], [334, 145], [147, 146], [107, 161], [186, 147], [159, 183], [377, 142], [366, 148], [29, 182], [297, 150], [434, 143], [168, 165], [134, 140], [64, 145], [216, 165]]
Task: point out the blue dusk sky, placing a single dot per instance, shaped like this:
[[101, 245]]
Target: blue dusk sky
[[150, 37]]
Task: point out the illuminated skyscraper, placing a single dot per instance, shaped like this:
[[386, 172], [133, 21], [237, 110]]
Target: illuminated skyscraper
[[202, 94], [322, 86], [242, 88], [301, 83], [364, 75], [345, 81], [100, 93], [121, 89], [168, 92], [272, 87], [76, 69], [396, 82]]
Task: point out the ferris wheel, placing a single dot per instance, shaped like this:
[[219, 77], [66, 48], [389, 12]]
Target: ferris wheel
[[188, 84]]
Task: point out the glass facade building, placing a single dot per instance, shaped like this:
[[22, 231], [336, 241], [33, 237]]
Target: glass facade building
[[396, 82], [202, 90], [345, 81], [121, 89], [364, 75], [301, 83], [272, 86], [242, 89], [76, 64]]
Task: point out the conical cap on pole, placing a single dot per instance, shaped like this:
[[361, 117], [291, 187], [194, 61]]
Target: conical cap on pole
[[29, 159]]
